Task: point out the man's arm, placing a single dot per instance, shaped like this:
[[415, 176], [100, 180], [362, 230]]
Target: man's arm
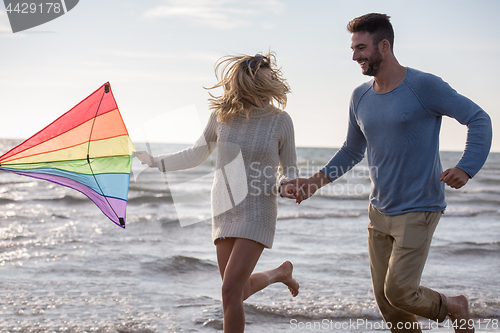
[[313, 183], [351, 153], [440, 99]]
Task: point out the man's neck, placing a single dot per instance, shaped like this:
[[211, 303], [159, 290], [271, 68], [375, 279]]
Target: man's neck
[[389, 77]]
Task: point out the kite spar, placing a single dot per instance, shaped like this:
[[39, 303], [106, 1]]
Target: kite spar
[[87, 149]]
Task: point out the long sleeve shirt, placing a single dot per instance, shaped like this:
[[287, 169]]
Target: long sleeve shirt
[[399, 131]]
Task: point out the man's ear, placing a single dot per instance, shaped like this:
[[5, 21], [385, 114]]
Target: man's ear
[[385, 45]]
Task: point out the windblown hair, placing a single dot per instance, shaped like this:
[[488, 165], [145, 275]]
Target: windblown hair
[[243, 86], [377, 25]]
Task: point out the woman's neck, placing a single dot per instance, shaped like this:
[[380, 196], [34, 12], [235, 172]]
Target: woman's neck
[[262, 103]]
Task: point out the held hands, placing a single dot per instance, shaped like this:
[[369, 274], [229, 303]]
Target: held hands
[[299, 189], [289, 190], [145, 158], [455, 177]]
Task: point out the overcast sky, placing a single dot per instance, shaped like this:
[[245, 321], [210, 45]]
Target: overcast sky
[[159, 54]]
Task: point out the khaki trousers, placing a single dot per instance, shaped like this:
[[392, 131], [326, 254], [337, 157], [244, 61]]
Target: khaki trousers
[[398, 247]]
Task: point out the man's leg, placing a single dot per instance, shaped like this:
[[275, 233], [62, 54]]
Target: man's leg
[[412, 234], [398, 247], [380, 247]]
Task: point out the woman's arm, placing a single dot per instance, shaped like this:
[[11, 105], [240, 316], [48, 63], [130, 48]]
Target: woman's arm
[[187, 158], [288, 169]]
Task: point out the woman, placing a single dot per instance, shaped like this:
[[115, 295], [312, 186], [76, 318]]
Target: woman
[[245, 124]]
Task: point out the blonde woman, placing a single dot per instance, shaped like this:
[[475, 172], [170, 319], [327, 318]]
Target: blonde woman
[[245, 122]]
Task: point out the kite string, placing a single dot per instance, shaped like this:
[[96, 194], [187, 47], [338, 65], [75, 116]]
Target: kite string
[[120, 219], [92, 128]]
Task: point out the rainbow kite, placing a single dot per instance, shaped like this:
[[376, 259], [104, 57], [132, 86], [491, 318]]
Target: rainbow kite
[[87, 149]]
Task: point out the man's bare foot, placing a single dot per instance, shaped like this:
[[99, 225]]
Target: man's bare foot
[[458, 311], [287, 278]]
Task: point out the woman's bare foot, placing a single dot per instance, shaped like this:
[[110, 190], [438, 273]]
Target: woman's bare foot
[[287, 278], [458, 311]]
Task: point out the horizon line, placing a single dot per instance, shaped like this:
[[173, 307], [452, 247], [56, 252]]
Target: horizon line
[[297, 146]]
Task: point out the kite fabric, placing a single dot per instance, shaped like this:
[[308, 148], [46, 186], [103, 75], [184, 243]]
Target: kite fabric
[[88, 149]]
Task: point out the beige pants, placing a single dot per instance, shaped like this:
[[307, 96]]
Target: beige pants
[[398, 247]]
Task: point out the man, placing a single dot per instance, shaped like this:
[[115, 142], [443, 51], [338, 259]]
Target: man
[[396, 118]]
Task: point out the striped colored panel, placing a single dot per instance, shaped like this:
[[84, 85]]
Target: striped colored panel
[[109, 147], [106, 126], [109, 184], [111, 207], [111, 164], [87, 149], [98, 101]]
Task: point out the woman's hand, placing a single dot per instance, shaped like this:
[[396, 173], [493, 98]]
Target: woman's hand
[[145, 158], [289, 190]]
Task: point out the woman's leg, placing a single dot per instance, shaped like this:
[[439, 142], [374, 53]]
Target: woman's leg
[[237, 258], [260, 280]]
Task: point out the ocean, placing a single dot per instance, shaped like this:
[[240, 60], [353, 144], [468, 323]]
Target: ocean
[[65, 267]]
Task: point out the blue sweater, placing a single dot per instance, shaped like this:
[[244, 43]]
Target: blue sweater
[[400, 132]]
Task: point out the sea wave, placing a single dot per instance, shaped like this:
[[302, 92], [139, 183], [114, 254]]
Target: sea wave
[[468, 212], [65, 199], [187, 195], [314, 216], [150, 188], [214, 323], [16, 180], [487, 190], [166, 220], [313, 311], [489, 180], [470, 249], [150, 198], [343, 195], [176, 265], [4, 201], [349, 309], [13, 231]]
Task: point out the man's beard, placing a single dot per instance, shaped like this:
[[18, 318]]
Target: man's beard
[[373, 64]]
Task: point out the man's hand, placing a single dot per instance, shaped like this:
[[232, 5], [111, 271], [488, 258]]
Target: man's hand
[[306, 190], [145, 158], [455, 177], [301, 188]]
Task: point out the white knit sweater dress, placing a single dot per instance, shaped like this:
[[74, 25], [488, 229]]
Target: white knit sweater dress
[[254, 156]]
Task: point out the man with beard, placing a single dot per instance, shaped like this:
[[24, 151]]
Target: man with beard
[[396, 118]]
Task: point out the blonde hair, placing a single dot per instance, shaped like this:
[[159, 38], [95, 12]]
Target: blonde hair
[[243, 86]]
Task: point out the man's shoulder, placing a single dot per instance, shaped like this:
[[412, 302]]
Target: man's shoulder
[[419, 79], [360, 90]]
